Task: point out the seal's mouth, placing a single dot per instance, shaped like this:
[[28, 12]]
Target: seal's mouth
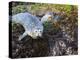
[[35, 35]]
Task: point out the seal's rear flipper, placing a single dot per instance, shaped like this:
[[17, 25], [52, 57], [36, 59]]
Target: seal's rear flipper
[[22, 36]]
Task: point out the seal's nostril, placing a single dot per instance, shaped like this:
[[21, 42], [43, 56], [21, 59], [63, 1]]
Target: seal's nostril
[[38, 37]]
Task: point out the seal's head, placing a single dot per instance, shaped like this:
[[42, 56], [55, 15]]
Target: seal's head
[[47, 17], [37, 32]]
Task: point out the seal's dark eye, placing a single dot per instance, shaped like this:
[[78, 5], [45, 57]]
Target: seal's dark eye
[[39, 31]]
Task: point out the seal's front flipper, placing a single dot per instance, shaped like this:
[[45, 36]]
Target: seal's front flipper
[[22, 36]]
